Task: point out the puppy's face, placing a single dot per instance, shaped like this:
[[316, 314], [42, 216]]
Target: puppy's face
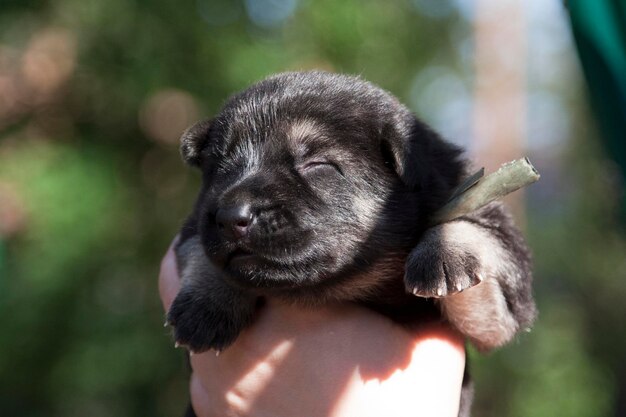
[[301, 182]]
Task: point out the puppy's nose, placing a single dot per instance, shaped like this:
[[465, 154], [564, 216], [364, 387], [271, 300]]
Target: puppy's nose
[[234, 221]]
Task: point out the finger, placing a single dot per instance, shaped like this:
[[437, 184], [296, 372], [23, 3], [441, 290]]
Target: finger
[[169, 281]]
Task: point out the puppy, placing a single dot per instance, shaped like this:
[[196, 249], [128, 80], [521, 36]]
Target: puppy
[[319, 187]]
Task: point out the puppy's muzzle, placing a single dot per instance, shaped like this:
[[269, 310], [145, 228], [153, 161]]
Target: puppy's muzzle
[[234, 221]]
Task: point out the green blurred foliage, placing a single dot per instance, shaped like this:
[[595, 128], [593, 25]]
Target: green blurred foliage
[[90, 197]]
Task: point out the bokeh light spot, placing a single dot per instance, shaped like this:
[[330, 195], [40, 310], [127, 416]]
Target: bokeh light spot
[[49, 60], [270, 13], [443, 100], [165, 115]]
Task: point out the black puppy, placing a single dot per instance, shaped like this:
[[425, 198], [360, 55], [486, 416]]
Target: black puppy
[[320, 187]]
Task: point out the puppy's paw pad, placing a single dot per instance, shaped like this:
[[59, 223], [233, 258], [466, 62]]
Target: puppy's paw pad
[[437, 273]]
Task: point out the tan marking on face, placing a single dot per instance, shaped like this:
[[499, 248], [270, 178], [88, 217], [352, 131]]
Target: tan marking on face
[[303, 129]]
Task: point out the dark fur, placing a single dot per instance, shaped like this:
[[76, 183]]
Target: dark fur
[[343, 180]]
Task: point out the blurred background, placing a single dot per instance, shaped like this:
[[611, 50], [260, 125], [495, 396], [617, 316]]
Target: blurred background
[[94, 95]]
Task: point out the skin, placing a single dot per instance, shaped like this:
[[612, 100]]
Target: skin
[[356, 362]]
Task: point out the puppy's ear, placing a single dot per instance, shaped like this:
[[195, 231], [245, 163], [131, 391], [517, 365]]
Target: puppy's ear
[[423, 160], [193, 141]]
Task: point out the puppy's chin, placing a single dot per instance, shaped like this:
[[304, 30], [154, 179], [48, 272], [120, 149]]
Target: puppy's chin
[[253, 271], [249, 269]]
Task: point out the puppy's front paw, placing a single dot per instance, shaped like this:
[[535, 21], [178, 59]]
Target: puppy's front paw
[[436, 268], [200, 324]]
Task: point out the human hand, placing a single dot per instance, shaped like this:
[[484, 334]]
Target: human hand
[[334, 361]]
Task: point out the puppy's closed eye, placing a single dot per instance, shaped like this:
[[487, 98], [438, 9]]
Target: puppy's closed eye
[[317, 165]]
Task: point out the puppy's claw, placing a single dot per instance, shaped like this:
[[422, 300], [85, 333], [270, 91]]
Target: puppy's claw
[[418, 293], [176, 345], [217, 352], [167, 323]]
